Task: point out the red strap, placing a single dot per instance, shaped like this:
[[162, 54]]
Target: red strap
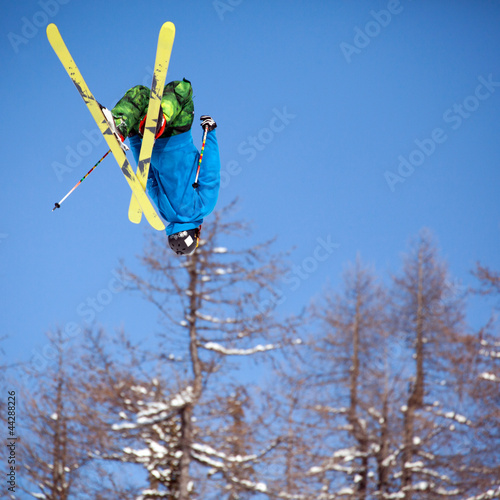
[[159, 132]]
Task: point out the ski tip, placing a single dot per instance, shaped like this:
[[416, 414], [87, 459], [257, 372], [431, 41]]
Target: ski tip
[[51, 28], [168, 26]]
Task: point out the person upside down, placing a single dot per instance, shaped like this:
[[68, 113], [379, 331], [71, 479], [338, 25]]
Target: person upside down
[[174, 160]]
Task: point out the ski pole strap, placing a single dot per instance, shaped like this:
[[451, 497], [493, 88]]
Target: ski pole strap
[[195, 184]]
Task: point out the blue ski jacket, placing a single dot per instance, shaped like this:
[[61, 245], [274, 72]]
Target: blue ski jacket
[[172, 173]]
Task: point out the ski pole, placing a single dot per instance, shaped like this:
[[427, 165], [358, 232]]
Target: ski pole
[[58, 205], [195, 184]]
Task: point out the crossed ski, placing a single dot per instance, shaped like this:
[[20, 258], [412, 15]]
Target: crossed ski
[[139, 202]]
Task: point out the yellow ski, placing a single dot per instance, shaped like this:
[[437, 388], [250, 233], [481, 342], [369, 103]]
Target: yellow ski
[[165, 43], [71, 68]]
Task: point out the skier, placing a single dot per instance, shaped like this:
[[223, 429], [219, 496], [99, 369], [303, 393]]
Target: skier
[[174, 160]]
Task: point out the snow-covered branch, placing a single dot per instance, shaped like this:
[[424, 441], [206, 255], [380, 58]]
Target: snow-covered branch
[[454, 416], [491, 493], [343, 456], [204, 453], [213, 346], [158, 411], [489, 376]]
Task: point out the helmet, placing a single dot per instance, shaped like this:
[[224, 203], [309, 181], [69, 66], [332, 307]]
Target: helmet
[[185, 242]]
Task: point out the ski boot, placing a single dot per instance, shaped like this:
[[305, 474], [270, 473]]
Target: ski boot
[[114, 125]]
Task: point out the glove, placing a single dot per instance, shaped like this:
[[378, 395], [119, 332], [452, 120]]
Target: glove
[[208, 121]]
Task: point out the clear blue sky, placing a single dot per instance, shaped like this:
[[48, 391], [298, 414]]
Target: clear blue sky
[[316, 102]]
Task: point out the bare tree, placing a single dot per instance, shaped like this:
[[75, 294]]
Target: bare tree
[[133, 405], [215, 305], [434, 327], [291, 399], [489, 280], [391, 383], [388, 396], [485, 391], [59, 430], [351, 377]]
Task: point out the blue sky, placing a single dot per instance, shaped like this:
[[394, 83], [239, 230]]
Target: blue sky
[[318, 103]]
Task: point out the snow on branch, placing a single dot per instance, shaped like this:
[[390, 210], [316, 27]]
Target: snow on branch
[[414, 465], [447, 493], [159, 411], [250, 485], [345, 455], [290, 496], [491, 493], [489, 353], [219, 250], [489, 376], [345, 491], [213, 346], [390, 459], [207, 450], [214, 319], [487, 343], [222, 462], [454, 416], [203, 451], [140, 455], [148, 494], [329, 409], [395, 496]]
